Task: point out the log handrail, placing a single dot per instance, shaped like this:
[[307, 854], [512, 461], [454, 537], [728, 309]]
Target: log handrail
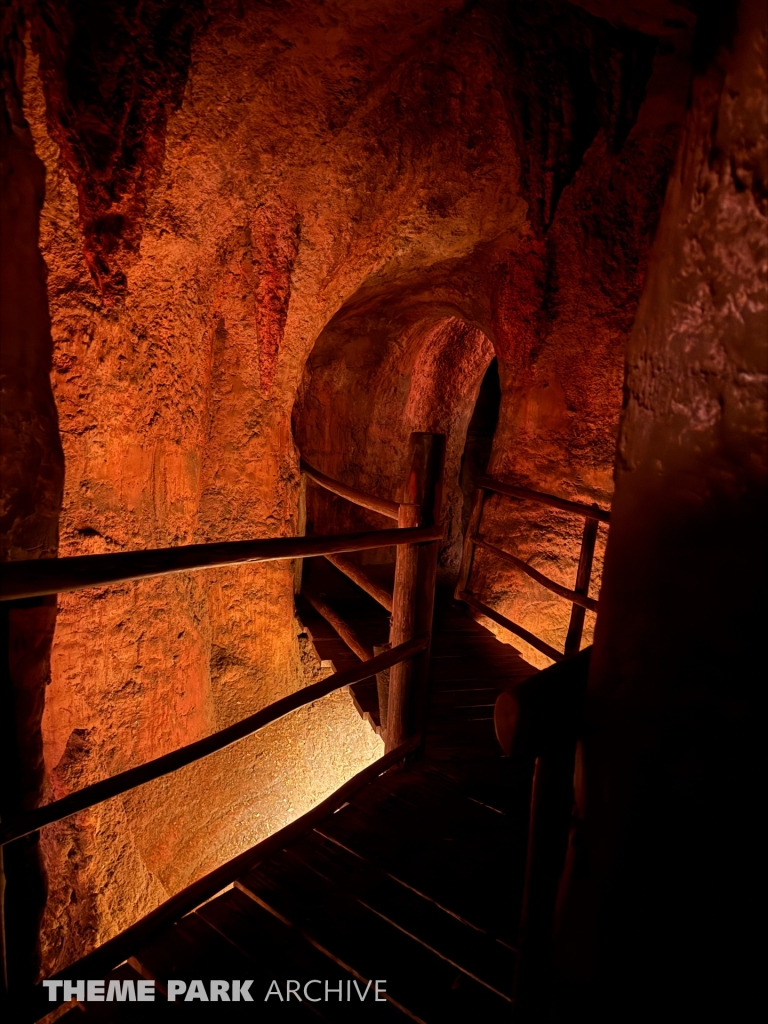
[[347, 632], [359, 576], [579, 596], [117, 949], [488, 483], [36, 578], [41, 576], [383, 506], [570, 595], [513, 627], [167, 763], [411, 601]]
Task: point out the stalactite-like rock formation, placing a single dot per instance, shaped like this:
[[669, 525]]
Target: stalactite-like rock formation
[[112, 73], [300, 228]]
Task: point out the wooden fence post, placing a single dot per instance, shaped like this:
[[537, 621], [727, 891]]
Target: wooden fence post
[[301, 531], [413, 597], [583, 576], [468, 551]]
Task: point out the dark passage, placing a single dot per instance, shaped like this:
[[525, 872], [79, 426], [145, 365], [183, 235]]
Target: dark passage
[[480, 433]]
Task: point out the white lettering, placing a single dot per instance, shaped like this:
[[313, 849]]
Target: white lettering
[[314, 981], [120, 991], [176, 988], [146, 991], [52, 987], [196, 990], [74, 990], [95, 991], [240, 991], [380, 988], [359, 996], [220, 990], [292, 989], [277, 992], [338, 990]]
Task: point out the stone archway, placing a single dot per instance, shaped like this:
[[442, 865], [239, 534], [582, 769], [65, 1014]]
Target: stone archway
[[367, 388]]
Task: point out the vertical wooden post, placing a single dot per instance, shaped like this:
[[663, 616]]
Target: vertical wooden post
[[583, 576], [468, 552], [3, 940], [413, 598], [551, 804], [382, 688], [301, 529], [403, 608]]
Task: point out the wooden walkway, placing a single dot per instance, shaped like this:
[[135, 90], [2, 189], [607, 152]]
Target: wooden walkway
[[415, 882]]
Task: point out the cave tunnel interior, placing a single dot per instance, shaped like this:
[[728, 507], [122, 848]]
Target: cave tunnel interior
[[407, 246]]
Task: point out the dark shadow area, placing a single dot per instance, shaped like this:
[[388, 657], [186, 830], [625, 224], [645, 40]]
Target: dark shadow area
[[482, 427]]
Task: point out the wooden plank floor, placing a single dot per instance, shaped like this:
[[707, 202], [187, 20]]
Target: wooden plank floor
[[415, 882]]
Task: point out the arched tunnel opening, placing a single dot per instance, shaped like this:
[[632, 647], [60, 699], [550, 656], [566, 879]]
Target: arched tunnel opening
[[430, 335]]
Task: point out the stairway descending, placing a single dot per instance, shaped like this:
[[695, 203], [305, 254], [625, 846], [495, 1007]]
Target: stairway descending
[[415, 882]]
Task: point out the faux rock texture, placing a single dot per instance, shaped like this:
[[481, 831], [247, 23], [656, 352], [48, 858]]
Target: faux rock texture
[[308, 227], [31, 470], [590, 117], [673, 751]]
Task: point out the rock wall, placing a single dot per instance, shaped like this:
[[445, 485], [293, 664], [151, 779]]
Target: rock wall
[[210, 206], [180, 327], [672, 750], [309, 226], [31, 470], [592, 115]]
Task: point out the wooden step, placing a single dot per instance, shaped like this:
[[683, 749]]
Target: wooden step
[[417, 980], [468, 949], [259, 934], [192, 949]]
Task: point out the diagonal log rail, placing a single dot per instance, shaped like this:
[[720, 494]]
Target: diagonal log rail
[[383, 506], [155, 769], [570, 595], [347, 633], [513, 627], [359, 576], [487, 483], [37, 577], [115, 950], [579, 596]]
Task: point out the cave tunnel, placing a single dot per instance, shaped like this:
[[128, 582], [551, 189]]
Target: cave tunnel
[[430, 335]]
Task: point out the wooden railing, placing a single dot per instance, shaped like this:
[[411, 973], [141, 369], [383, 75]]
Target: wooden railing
[[546, 716], [411, 601], [416, 540], [579, 596]]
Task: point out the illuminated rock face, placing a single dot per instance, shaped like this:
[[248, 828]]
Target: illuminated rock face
[[593, 120], [312, 229], [31, 473]]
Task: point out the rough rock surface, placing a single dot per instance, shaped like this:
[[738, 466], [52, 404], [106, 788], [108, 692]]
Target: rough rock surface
[[673, 752], [309, 226], [591, 117], [31, 470]]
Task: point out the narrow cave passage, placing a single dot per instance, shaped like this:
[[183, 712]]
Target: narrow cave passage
[[281, 283]]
